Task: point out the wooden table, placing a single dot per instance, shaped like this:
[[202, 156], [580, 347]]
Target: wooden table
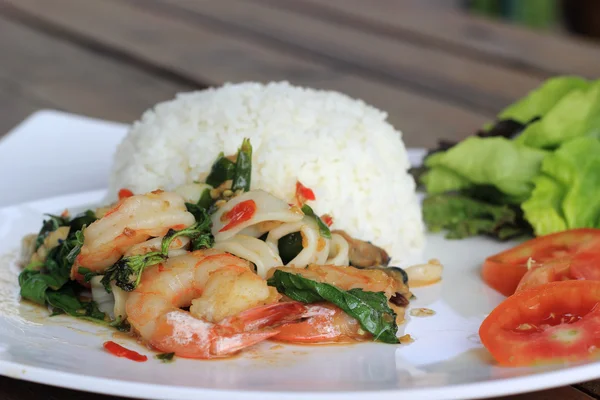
[[439, 74]]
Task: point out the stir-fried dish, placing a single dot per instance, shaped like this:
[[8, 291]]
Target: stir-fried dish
[[211, 268]]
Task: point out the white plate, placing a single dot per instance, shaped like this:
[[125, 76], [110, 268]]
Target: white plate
[[53, 153], [446, 360]]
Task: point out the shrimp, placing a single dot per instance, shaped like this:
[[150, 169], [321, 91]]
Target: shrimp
[[324, 323], [222, 319], [132, 221]]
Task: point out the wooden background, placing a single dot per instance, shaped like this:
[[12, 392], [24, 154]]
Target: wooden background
[[439, 74]]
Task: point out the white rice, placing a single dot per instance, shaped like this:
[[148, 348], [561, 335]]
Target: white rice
[[342, 148]]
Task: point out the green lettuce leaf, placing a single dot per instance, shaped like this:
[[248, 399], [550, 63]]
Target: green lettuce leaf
[[567, 195], [543, 209], [462, 217], [539, 101], [495, 161], [576, 114], [441, 180]]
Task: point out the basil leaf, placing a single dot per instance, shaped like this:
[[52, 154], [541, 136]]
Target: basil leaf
[[67, 300], [243, 168], [34, 285], [165, 357], [81, 220], [49, 225], [371, 309], [290, 246], [222, 170], [323, 228]]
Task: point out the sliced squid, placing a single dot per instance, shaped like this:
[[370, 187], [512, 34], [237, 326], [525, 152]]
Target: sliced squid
[[112, 303], [262, 206], [338, 251], [253, 250], [315, 247]]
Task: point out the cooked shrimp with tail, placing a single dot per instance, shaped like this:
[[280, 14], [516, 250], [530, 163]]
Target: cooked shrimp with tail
[[223, 318]]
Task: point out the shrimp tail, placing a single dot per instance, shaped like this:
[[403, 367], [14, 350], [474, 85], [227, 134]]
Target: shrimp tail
[[320, 325], [265, 316], [225, 345]]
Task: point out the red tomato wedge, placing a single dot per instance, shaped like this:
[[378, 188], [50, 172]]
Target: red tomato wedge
[[580, 247], [540, 274], [556, 322]]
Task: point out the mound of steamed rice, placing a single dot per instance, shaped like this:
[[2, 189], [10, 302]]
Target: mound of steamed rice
[[341, 148]]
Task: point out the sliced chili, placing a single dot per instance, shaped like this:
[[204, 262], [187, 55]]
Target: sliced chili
[[120, 351], [124, 193], [240, 213]]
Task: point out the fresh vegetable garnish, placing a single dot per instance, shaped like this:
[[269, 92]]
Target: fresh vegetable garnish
[[463, 216], [540, 157], [323, 229], [120, 351], [541, 273], [566, 195], [242, 176], [127, 272], [125, 193], [496, 162], [578, 247], [303, 194], [370, 309], [222, 170], [556, 322], [240, 213]]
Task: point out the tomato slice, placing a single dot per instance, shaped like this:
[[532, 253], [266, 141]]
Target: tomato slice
[[504, 270], [556, 322], [540, 274]]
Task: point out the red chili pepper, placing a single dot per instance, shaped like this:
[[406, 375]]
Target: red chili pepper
[[124, 193], [240, 213], [120, 351], [328, 219], [303, 194]]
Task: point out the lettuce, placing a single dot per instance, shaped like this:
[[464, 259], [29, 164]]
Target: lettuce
[[495, 161], [463, 216], [541, 100], [577, 114], [567, 195]]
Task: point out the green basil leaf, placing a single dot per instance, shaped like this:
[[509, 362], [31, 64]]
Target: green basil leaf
[[243, 168], [323, 228], [49, 225], [290, 246], [165, 357], [222, 170]]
